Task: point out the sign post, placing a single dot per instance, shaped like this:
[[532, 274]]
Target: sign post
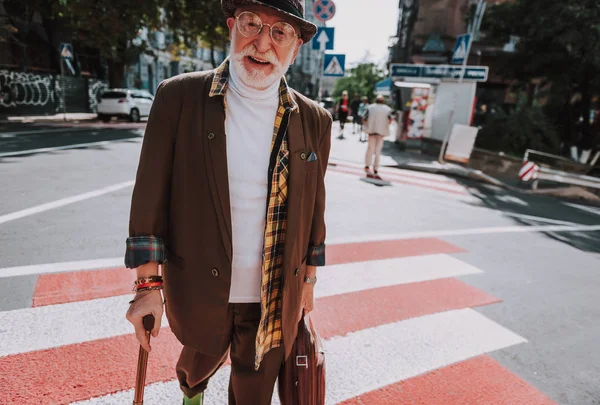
[[323, 41], [323, 10], [66, 56], [460, 43]]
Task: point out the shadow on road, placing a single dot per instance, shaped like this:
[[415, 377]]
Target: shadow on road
[[534, 210]]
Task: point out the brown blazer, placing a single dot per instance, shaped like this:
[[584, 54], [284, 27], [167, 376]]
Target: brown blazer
[[181, 196]]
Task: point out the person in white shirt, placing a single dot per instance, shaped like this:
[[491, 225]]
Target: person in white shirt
[[377, 125]]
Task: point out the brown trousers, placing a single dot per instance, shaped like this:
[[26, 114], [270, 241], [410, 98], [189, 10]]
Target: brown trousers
[[246, 386]]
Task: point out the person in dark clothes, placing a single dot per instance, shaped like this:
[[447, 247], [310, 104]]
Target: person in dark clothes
[[343, 108], [355, 117]]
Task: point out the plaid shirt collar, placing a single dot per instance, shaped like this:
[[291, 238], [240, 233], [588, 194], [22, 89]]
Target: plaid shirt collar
[[220, 85]]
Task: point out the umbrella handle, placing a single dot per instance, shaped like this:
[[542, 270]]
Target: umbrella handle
[[142, 366]]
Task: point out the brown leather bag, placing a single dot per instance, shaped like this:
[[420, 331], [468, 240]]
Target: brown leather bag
[[302, 376]]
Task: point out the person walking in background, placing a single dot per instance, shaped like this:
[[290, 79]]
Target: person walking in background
[[354, 109], [343, 108], [377, 125], [362, 115]]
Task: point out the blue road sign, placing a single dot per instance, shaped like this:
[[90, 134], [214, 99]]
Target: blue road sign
[[407, 71], [324, 10], [323, 40], [335, 65], [461, 49], [66, 51]]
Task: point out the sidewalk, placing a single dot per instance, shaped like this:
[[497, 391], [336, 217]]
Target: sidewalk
[[57, 118], [351, 150]]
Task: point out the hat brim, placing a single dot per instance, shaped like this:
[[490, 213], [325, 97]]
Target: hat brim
[[307, 29]]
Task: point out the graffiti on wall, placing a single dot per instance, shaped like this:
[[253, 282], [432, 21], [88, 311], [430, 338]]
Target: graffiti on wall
[[95, 88], [25, 89]]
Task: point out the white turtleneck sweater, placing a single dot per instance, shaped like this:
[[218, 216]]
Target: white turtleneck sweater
[[249, 123]]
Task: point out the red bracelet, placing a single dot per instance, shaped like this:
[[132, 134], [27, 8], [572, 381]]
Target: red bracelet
[[148, 285]]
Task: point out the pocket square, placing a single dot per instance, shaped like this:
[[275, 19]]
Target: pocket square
[[312, 157]]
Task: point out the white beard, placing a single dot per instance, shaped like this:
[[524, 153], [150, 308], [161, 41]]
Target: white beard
[[256, 78]]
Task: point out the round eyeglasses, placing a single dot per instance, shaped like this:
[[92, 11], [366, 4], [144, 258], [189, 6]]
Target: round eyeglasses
[[250, 25]]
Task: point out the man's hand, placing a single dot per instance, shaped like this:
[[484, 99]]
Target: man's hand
[[145, 303], [308, 292]]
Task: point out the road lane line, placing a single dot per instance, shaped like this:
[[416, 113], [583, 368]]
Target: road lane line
[[371, 358], [47, 131], [47, 327], [61, 267], [66, 147], [65, 201], [336, 254], [539, 219], [467, 232], [593, 210]]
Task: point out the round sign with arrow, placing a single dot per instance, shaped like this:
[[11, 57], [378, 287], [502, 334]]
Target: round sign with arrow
[[324, 10]]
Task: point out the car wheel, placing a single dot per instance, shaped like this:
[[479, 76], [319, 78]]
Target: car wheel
[[104, 117], [134, 115]]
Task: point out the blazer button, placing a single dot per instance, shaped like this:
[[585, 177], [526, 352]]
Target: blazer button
[[296, 272], [303, 156], [211, 135], [215, 272]]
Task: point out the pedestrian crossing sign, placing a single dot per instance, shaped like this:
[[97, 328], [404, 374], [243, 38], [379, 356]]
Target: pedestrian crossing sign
[[335, 65], [461, 49], [66, 51]]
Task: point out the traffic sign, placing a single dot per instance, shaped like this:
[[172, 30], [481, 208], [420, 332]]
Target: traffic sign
[[323, 40], [529, 171], [474, 73], [461, 49], [66, 51], [324, 10], [335, 65]]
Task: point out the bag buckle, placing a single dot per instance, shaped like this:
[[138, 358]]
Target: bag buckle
[[302, 361]]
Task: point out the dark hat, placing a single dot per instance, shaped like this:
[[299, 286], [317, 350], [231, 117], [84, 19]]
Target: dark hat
[[292, 8]]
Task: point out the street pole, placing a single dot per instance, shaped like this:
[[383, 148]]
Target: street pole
[[323, 47], [62, 88], [475, 26]]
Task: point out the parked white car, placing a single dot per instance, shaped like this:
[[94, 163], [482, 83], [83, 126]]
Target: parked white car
[[129, 103]]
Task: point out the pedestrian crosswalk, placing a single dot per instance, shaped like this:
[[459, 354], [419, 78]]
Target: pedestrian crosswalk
[[398, 328]]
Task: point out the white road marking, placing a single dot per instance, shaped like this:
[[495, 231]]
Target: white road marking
[[62, 202], [352, 277], [593, 210], [466, 232], [61, 267], [513, 200], [66, 147], [372, 358], [118, 261], [52, 326], [48, 131], [539, 219]]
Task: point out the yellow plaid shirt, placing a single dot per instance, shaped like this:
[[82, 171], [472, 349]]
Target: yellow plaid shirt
[[270, 334]]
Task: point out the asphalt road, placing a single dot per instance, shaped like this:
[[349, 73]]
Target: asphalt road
[[541, 256]]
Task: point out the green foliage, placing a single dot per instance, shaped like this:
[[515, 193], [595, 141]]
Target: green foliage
[[559, 42], [360, 81], [514, 133]]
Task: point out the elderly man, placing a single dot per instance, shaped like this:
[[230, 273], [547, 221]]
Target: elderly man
[[230, 200]]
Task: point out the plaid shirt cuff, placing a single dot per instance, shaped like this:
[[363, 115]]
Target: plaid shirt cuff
[[316, 255], [144, 249]]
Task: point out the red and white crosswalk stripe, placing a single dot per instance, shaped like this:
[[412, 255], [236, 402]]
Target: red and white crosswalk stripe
[[398, 328], [427, 181]]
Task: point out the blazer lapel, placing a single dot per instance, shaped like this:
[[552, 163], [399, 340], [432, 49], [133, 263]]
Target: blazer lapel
[[215, 150], [296, 178]]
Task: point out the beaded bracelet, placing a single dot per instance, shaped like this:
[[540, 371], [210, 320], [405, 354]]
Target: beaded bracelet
[[141, 287], [150, 279]]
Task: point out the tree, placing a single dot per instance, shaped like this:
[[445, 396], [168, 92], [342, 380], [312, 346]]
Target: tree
[[360, 81], [559, 41], [193, 20], [113, 27]]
